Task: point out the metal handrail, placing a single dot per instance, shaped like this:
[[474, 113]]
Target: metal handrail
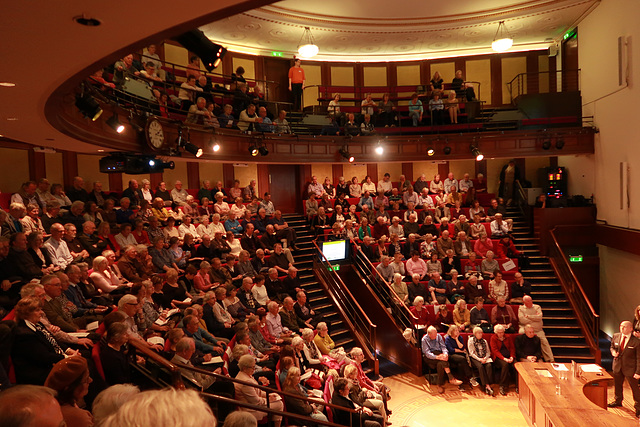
[[357, 318], [360, 91], [519, 80], [588, 319]]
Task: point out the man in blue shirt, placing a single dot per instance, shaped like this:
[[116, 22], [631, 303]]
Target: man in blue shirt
[[436, 356]]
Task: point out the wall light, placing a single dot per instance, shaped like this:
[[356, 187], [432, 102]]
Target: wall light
[[115, 124]]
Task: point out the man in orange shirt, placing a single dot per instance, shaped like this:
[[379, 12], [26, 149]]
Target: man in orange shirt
[[296, 84]]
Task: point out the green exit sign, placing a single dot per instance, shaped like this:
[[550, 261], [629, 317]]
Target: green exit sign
[[575, 258], [334, 267], [278, 54]]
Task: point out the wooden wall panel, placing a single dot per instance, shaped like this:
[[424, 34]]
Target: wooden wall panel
[[193, 175], [37, 166]]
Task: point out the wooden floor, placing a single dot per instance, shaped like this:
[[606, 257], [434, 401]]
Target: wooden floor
[[414, 404]]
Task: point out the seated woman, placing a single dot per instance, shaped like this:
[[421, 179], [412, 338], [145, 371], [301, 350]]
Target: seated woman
[[253, 395], [299, 406], [400, 288], [103, 278], [498, 287], [452, 105], [175, 295], [113, 355], [380, 391], [162, 257], [70, 379], [489, 266], [364, 229], [170, 230], [455, 288], [461, 316], [233, 304], [420, 311], [480, 354], [443, 318], [306, 366], [361, 396], [433, 264], [355, 189], [234, 244], [40, 257], [459, 357], [327, 346]]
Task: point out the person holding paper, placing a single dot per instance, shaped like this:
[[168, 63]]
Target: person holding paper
[[625, 349]]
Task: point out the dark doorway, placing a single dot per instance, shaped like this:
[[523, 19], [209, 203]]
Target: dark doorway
[[284, 187], [570, 77], [277, 75]]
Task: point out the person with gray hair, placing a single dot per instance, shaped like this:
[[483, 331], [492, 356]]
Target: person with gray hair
[[167, 407], [436, 356], [531, 314], [253, 395], [240, 419], [385, 269], [29, 405], [503, 352], [110, 400]]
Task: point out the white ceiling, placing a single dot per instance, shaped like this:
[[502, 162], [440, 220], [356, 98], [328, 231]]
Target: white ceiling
[[387, 30]]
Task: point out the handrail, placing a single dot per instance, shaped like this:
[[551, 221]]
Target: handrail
[[174, 370], [408, 318], [520, 79], [258, 386], [523, 203], [587, 317], [359, 323]]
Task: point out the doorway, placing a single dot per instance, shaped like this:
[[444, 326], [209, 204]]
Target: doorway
[[277, 74], [285, 188]]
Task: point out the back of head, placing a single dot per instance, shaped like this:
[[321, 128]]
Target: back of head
[[110, 400], [240, 419], [168, 407], [21, 404]]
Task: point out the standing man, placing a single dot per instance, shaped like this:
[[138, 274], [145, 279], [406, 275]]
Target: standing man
[[626, 364], [296, 84]]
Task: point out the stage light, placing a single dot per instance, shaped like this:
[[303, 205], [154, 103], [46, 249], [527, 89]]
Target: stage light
[[559, 143], [546, 144], [216, 147], [152, 163], [115, 124], [263, 150], [476, 153], [446, 150], [88, 106], [253, 150], [430, 151], [197, 42], [344, 152], [193, 149], [379, 150]]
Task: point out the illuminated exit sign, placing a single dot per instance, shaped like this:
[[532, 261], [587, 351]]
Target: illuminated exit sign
[[278, 54], [575, 258], [335, 267]]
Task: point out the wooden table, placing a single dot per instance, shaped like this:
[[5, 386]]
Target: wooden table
[[581, 402]]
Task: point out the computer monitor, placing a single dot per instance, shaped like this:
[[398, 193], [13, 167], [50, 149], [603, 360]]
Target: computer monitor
[[335, 251]]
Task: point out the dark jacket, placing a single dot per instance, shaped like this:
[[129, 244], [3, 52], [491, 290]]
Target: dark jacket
[[32, 354]]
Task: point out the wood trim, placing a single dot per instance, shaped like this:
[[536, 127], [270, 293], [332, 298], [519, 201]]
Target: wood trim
[[263, 180], [392, 74], [533, 78], [70, 168], [496, 83], [443, 170], [227, 175], [424, 73], [37, 166], [304, 179], [407, 171], [193, 175], [155, 179], [372, 171], [115, 182], [622, 239], [336, 171]]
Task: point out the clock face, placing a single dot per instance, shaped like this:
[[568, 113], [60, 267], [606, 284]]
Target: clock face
[[155, 134]]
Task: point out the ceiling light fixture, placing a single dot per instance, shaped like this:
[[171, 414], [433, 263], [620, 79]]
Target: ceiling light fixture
[[476, 153], [7, 84], [307, 46], [115, 124], [502, 40]]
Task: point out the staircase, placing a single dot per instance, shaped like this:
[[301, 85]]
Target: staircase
[[560, 323], [315, 293]]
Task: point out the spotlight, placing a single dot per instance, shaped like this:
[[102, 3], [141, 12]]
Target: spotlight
[[152, 163], [559, 143], [216, 147], [446, 150], [476, 153], [88, 106], [197, 42], [193, 149], [379, 150], [115, 124], [546, 144], [344, 152], [253, 150], [430, 151], [263, 150]]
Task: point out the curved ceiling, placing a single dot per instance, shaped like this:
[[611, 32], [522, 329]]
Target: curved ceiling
[[383, 30], [43, 49]]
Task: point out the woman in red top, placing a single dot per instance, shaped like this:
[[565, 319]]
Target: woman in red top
[[420, 312], [296, 84]]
